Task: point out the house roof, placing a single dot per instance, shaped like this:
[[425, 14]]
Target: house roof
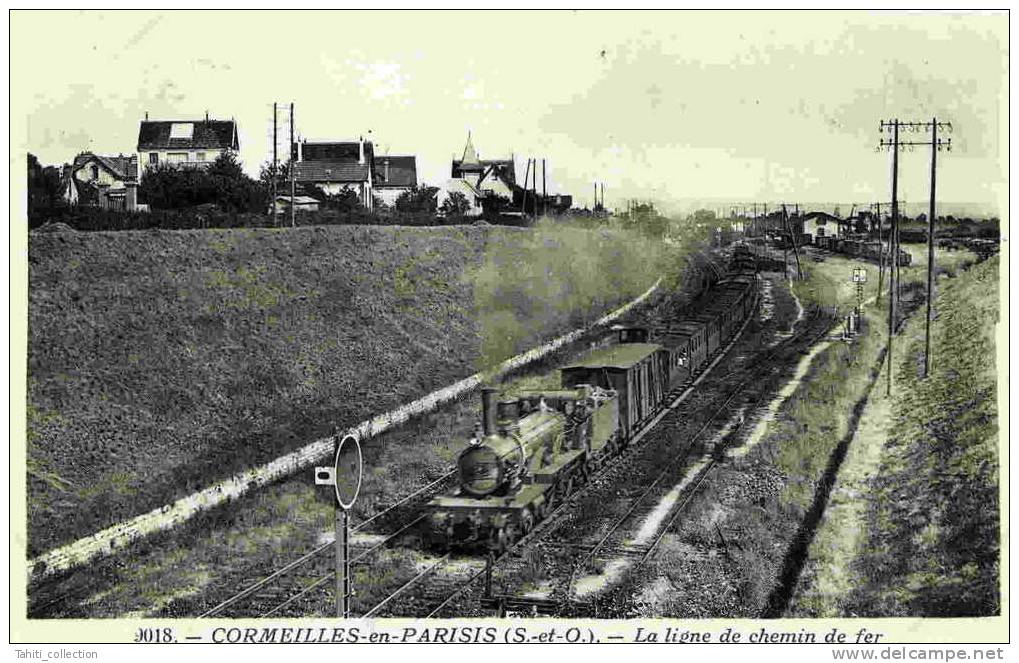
[[464, 186], [336, 161], [331, 171], [621, 356], [299, 200], [335, 151], [504, 166], [402, 172], [121, 166], [470, 155], [210, 134]]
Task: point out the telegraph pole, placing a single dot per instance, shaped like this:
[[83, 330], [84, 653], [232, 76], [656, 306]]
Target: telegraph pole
[[523, 198], [544, 188], [293, 174], [792, 239], [880, 253], [894, 127], [275, 167], [936, 144]]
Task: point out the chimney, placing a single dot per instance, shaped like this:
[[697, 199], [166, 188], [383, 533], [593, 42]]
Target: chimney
[[206, 116], [146, 116], [385, 172], [360, 153], [131, 196], [488, 411]]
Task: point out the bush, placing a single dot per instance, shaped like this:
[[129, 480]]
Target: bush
[[43, 186], [455, 206], [222, 184]]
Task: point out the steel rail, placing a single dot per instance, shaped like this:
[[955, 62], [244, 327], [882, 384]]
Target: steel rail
[[406, 499], [388, 538], [678, 510], [755, 369], [318, 583], [244, 593], [407, 585]]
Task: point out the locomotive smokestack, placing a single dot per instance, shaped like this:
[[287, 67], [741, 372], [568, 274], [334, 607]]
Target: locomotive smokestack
[[508, 414], [488, 410]]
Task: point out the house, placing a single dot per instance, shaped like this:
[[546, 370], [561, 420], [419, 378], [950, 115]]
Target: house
[[109, 182], [478, 178], [337, 166], [394, 175], [820, 224], [301, 204], [185, 143]]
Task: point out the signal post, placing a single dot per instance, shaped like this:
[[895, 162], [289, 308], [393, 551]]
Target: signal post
[[345, 477]]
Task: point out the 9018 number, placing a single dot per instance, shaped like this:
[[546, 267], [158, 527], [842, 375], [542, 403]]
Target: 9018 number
[[154, 635]]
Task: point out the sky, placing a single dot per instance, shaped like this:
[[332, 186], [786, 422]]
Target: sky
[[684, 108]]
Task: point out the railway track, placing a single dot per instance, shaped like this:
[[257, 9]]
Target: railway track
[[303, 586], [613, 538], [611, 543], [306, 579], [454, 585], [302, 580]]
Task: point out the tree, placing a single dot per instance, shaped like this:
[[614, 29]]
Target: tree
[[44, 186], [417, 206], [645, 219], [417, 200], [493, 205], [704, 216], [455, 205], [347, 201], [222, 184]]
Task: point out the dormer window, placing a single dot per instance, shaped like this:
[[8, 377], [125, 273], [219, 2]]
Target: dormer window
[[183, 130]]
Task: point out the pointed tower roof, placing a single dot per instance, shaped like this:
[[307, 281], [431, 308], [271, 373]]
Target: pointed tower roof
[[470, 156]]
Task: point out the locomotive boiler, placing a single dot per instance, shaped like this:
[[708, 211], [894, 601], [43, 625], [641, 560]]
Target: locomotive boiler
[[527, 454]]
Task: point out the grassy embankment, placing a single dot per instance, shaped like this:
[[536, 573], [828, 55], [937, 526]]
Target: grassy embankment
[[160, 362], [913, 526], [767, 499]]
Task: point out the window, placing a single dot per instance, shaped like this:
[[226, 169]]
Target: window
[[153, 158], [201, 156], [182, 130], [95, 172], [176, 157]]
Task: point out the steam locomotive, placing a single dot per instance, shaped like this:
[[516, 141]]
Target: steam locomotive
[[530, 452]]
